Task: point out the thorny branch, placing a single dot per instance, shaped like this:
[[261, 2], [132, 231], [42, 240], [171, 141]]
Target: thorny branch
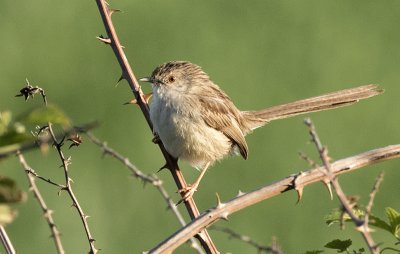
[[29, 91], [294, 182], [127, 74], [68, 188], [48, 214], [361, 224], [151, 179]]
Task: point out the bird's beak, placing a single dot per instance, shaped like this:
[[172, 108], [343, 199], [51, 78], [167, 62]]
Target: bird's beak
[[145, 79]]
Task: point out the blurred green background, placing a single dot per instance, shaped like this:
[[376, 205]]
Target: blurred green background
[[262, 53]]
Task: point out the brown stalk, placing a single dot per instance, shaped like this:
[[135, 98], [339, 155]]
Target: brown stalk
[[47, 213], [68, 188], [294, 182], [129, 76]]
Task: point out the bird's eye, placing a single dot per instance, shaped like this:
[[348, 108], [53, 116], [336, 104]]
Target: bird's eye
[[171, 79]]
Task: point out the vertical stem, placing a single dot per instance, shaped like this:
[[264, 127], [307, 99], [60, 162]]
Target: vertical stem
[[6, 241]]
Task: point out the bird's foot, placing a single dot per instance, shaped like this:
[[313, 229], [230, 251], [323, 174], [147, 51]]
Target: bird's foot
[[187, 192]]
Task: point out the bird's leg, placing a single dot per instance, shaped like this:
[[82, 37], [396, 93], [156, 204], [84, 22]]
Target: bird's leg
[[191, 188]]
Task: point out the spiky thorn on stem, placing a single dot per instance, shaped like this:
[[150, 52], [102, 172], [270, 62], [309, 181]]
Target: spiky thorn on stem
[[104, 39], [274, 248], [151, 179], [129, 76], [361, 224], [31, 175]]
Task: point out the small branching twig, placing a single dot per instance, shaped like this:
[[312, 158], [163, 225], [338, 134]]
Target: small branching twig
[[68, 188], [29, 91], [151, 179], [274, 248], [293, 182], [47, 213], [361, 224], [9, 248]]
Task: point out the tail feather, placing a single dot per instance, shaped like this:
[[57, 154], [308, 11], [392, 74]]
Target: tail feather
[[327, 101]]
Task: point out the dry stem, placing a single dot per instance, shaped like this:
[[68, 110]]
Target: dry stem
[[6, 241], [297, 182], [47, 213], [361, 225], [128, 75], [68, 188]]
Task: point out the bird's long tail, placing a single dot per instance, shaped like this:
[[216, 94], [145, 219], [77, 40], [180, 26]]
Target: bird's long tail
[[327, 101]]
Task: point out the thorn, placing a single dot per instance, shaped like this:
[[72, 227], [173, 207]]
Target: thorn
[[112, 11], [224, 216], [121, 78], [240, 193], [163, 167], [103, 39], [219, 204], [328, 185], [299, 191]]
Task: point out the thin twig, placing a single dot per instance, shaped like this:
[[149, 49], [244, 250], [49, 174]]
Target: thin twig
[[48, 214], [152, 179], [274, 249], [293, 182], [68, 188], [372, 195], [129, 76], [6, 241], [361, 225], [27, 91]]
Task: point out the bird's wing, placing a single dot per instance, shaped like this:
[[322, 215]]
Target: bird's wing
[[219, 112]]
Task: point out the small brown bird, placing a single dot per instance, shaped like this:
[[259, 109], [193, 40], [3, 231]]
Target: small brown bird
[[197, 122]]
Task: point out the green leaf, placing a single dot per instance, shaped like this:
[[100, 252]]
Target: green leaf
[[7, 214], [5, 119], [393, 226], [9, 192], [394, 221], [15, 137], [379, 223], [335, 216], [313, 252], [339, 245], [43, 115]]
